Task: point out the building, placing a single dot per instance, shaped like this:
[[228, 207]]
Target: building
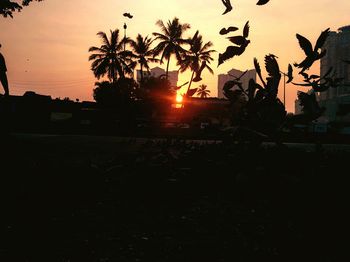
[[173, 76], [297, 107], [338, 49], [234, 73]]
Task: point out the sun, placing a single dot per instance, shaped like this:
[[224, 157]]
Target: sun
[[179, 98]]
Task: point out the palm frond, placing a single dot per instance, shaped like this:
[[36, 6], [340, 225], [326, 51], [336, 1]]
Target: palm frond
[[104, 38]]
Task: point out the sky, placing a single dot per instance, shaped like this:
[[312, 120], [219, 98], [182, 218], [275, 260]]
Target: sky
[[46, 45]]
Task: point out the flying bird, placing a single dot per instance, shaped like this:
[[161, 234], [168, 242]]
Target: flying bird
[[236, 93], [290, 74], [314, 84], [235, 82], [225, 31], [230, 52], [312, 54], [241, 43], [262, 2], [274, 73], [227, 4], [321, 84], [241, 40], [128, 15], [274, 76]]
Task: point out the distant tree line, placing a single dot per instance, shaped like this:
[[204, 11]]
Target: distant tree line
[[116, 59]]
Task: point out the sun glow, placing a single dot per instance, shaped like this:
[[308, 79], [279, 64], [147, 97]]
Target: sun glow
[[179, 98]]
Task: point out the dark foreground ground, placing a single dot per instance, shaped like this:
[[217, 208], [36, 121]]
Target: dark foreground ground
[[73, 198]]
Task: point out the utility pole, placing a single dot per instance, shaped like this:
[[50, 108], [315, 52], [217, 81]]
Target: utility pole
[[125, 27], [284, 90], [284, 87]]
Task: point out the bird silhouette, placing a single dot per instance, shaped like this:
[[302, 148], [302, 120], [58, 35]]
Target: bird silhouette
[[232, 83], [321, 84], [225, 31], [128, 15], [236, 93], [230, 52], [290, 74], [274, 75], [308, 77], [227, 4], [271, 84], [314, 84], [312, 54], [199, 72], [241, 41], [262, 2]]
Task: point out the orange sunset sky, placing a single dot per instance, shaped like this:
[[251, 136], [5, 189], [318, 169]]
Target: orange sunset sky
[[46, 45]]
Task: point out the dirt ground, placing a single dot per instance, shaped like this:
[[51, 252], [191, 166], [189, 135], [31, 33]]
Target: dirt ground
[[82, 198]]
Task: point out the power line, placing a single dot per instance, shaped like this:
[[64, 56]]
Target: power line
[[50, 86], [51, 82]]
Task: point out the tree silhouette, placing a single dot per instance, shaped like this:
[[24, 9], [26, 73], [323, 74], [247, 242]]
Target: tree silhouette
[[258, 108], [197, 54], [110, 58], [105, 94], [203, 92], [157, 95], [120, 94], [7, 7], [171, 39], [143, 52]]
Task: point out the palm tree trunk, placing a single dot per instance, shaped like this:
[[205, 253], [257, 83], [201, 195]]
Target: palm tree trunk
[[189, 85], [141, 80], [113, 71], [113, 79], [188, 88], [167, 69]]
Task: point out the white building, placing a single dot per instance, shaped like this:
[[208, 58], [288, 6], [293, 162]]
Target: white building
[[173, 76]]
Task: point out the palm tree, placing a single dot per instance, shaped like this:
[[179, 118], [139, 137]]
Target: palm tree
[[197, 56], [203, 92], [110, 58], [143, 52], [170, 40]]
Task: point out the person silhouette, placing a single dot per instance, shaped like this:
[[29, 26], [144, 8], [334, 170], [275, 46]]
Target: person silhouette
[[3, 76]]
